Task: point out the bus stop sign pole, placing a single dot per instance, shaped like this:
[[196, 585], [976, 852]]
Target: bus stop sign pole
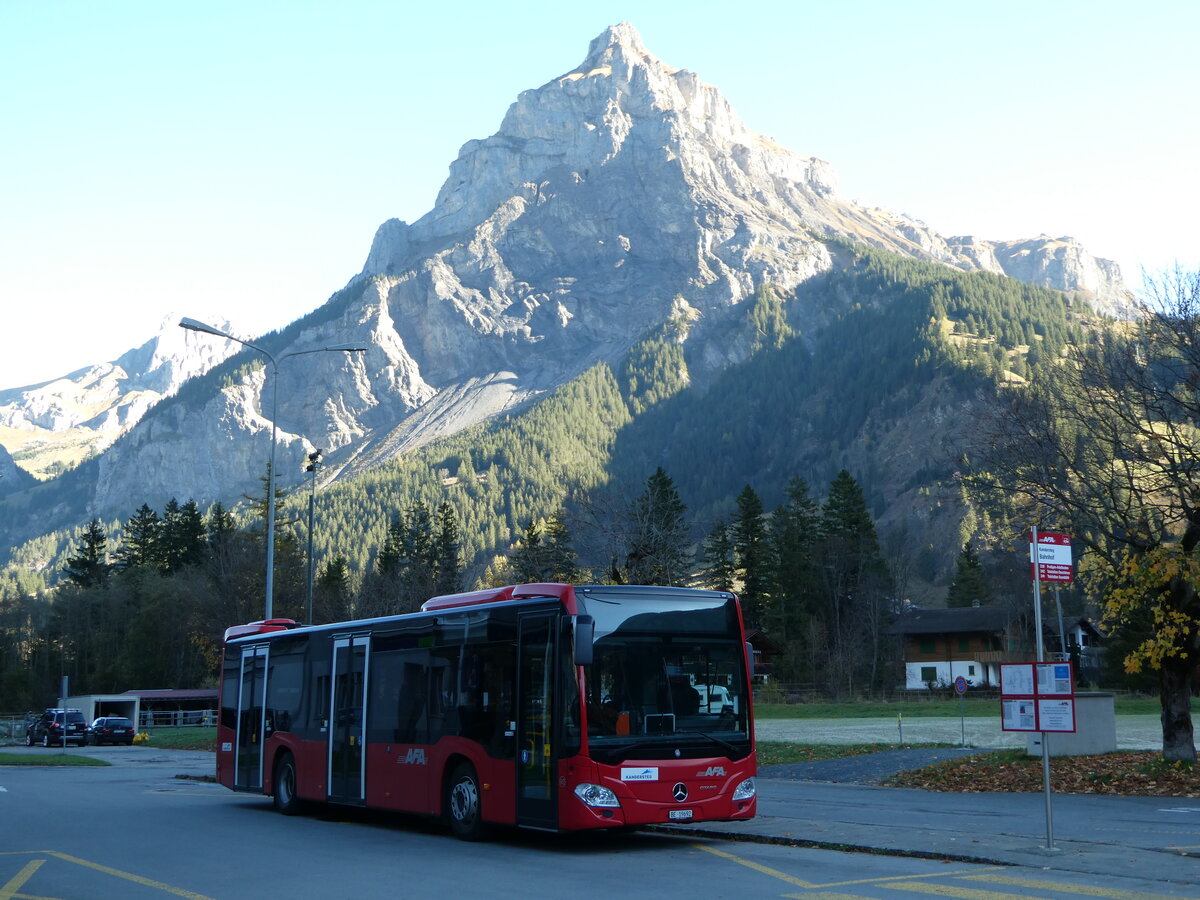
[[1040, 656]]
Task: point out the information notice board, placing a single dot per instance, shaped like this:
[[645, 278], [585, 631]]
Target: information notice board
[[1037, 696]]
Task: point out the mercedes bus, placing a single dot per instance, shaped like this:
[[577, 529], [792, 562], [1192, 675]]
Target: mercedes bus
[[542, 706]]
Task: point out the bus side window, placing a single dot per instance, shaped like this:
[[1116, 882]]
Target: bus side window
[[229, 689], [500, 678], [569, 687], [412, 726], [284, 689], [321, 710], [443, 693]]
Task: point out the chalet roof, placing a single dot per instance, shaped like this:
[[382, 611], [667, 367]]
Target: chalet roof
[[959, 620], [1050, 625], [763, 642]]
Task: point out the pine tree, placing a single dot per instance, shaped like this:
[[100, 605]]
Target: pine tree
[[89, 566], [544, 553], [657, 553], [969, 587], [559, 552], [332, 592], [141, 540], [221, 526], [527, 562], [720, 569], [792, 536], [857, 589], [184, 542], [388, 561], [751, 552], [447, 552], [260, 504]]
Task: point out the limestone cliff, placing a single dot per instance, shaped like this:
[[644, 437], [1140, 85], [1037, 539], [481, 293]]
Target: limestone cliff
[[56, 424], [610, 198]]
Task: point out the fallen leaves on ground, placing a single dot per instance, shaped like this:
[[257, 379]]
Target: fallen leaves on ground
[[1130, 774]]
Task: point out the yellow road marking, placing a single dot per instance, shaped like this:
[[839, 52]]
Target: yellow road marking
[[117, 873], [8, 891], [791, 879], [766, 870], [945, 890], [1110, 893]]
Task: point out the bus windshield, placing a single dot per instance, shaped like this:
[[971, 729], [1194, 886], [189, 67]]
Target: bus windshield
[[667, 680]]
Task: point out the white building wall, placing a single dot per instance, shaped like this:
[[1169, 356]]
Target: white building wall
[[112, 704], [947, 670]]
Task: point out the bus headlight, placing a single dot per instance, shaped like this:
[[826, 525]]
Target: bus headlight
[[595, 795], [745, 790]]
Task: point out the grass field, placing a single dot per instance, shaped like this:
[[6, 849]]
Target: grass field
[[44, 757], [935, 708], [190, 738], [198, 738]]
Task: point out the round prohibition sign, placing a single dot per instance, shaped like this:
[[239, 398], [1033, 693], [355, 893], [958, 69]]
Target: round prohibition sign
[[960, 685]]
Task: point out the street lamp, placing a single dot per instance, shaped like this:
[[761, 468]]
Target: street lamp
[[314, 460], [193, 325]]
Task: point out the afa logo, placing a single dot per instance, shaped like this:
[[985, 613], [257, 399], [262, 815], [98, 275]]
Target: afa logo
[[712, 772], [414, 757]]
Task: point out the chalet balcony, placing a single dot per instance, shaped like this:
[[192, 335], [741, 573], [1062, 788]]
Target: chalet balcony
[[1002, 656]]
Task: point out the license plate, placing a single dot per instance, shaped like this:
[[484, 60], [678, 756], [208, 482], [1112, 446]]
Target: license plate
[[679, 814]]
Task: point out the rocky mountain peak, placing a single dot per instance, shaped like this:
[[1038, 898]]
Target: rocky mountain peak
[[84, 411], [614, 198], [620, 41]]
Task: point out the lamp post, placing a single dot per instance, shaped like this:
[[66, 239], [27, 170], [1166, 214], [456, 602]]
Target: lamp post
[[314, 460], [193, 325]]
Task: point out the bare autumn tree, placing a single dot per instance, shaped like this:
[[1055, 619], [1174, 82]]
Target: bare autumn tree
[[1105, 442]]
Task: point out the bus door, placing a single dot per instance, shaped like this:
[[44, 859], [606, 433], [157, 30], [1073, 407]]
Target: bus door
[[348, 719], [251, 719], [536, 758]]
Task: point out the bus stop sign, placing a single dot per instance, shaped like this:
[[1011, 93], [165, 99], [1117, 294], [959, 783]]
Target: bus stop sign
[[1050, 557]]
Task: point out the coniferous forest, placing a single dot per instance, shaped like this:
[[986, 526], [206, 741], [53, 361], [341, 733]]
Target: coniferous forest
[[798, 451]]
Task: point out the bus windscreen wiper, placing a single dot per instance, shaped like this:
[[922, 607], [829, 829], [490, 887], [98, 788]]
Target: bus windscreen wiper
[[712, 737]]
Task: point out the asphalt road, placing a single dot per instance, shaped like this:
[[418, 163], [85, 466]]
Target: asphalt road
[[136, 829]]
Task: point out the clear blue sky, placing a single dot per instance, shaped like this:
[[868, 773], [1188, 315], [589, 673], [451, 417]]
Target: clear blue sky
[[235, 158]]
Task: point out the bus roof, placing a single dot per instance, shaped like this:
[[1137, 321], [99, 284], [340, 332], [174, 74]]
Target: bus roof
[[263, 626], [498, 595], [567, 594], [564, 592]]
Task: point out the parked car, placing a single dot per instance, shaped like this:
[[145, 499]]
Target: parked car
[[53, 725], [112, 730]]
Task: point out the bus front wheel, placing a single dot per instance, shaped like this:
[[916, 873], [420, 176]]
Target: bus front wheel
[[284, 794], [463, 803]]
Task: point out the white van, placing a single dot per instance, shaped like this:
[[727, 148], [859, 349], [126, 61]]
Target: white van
[[714, 698]]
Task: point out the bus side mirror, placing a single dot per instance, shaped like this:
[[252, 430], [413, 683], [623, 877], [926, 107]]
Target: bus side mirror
[[585, 632]]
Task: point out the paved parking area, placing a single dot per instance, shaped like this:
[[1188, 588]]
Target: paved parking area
[[171, 762]]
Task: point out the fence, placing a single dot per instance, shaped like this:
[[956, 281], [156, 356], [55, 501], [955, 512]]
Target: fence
[[12, 730], [176, 718]]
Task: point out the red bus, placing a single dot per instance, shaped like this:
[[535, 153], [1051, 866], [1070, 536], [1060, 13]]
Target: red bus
[[545, 706]]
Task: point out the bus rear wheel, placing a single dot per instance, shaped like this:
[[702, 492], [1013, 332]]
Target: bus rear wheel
[[463, 803], [284, 793]]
